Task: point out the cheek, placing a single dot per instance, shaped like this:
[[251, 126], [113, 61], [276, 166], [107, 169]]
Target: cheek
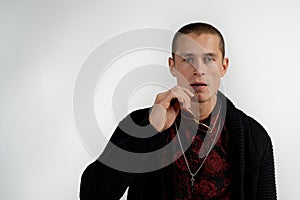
[[182, 80], [183, 74], [214, 79], [214, 73], [216, 83]]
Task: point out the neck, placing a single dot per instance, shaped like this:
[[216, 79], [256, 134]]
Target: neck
[[201, 110]]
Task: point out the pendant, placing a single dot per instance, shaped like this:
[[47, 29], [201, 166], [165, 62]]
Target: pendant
[[192, 183]]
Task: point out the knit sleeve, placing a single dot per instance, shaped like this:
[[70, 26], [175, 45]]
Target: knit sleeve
[[108, 177], [266, 188], [99, 181]]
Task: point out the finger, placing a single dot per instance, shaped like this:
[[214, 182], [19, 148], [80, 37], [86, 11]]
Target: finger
[[182, 97], [186, 99], [165, 98], [187, 91]]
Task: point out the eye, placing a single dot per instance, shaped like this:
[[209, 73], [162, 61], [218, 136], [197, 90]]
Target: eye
[[208, 59], [188, 60]]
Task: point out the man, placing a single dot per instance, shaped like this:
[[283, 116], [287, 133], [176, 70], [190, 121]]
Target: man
[[211, 150]]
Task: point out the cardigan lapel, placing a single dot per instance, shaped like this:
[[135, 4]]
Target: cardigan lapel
[[234, 123]]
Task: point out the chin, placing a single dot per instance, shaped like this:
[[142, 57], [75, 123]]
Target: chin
[[200, 98]]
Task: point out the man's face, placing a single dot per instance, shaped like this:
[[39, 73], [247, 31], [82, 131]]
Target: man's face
[[198, 65]]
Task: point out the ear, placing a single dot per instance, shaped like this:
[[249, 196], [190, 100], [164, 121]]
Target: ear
[[172, 66], [224, 66]]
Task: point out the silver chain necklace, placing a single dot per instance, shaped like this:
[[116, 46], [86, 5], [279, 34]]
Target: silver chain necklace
[[211, 146]]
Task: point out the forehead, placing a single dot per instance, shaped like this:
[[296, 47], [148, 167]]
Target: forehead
[[198, 44]]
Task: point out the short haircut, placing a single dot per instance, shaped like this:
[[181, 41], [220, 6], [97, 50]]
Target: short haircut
[[199, 28]]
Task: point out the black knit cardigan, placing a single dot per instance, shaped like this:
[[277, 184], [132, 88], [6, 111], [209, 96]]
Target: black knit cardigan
[[256, 174]]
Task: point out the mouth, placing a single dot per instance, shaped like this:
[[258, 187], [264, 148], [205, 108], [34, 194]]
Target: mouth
[[198, 86]]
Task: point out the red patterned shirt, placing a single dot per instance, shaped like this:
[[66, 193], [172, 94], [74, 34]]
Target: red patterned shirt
[[215, 178]]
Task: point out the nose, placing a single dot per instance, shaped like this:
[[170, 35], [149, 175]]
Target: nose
[[198, 68]]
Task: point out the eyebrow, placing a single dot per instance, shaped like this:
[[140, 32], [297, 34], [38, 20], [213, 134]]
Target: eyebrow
[[204, 54], [211, 54], [187, 54]]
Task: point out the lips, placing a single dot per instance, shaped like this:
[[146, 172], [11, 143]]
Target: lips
[[199, 86]]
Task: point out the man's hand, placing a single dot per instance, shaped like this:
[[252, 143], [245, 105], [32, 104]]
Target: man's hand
[[163, 113]]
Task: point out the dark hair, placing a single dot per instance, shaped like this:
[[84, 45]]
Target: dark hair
[[199, 28]]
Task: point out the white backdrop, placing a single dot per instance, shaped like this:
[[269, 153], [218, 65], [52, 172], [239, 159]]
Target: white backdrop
[[44, 44]]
